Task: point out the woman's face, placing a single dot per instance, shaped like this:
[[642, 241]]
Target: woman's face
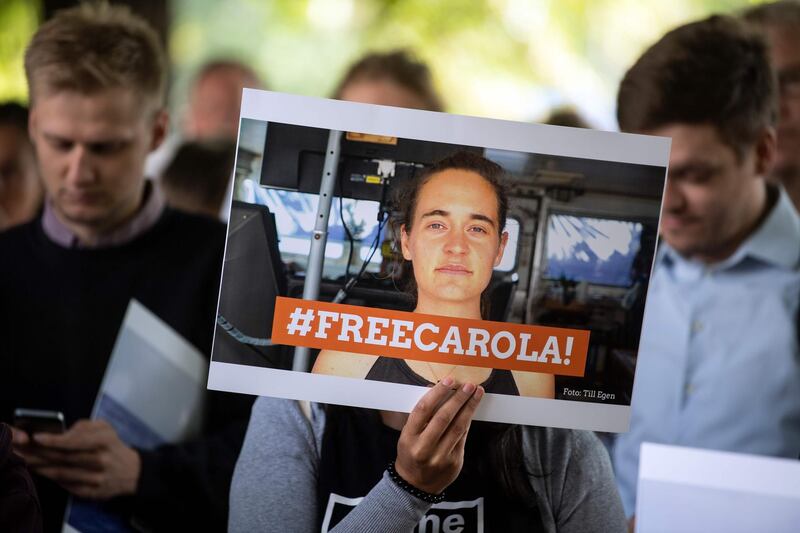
[[455, 241]]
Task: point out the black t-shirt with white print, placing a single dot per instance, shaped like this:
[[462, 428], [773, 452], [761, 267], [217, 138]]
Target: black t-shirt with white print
[[357, 447]]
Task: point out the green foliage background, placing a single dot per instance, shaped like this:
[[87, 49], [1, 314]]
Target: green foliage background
[[510, 59], [18, 21]]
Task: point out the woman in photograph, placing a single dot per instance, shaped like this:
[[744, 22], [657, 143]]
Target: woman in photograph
[[451, 222], [308, 467]]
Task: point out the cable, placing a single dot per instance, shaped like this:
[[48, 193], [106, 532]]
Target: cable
[[342, 294], [347, 231], [234, 332], [253, 343]]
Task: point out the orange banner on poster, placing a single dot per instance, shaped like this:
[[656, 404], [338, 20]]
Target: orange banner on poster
[[432, 338]]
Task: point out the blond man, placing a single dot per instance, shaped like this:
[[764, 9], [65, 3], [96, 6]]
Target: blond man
[[96, 76]]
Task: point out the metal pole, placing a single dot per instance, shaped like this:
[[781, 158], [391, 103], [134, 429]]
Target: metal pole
[[316, 255], [538, 257]]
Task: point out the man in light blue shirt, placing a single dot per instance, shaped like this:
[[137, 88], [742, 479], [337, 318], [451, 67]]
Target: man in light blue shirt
[[718, 360]]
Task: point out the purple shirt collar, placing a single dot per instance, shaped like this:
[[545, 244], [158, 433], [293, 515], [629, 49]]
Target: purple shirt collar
[[142, 221]]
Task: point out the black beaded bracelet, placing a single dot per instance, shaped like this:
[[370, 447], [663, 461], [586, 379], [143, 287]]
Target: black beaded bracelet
[[411, 489]]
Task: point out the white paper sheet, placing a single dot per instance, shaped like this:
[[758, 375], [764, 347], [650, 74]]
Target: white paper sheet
[[692, 490], [152, 394]]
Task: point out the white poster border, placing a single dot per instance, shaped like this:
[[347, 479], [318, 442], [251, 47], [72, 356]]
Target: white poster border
[[455, 129], [430, 126], [545, 412]]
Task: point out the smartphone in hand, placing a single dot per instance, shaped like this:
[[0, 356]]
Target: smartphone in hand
[[39, 421]]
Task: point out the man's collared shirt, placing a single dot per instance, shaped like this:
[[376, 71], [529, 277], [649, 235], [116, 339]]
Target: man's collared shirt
[[142, 221], [718, 360]]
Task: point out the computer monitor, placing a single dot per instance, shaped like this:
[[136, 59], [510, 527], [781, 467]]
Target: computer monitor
[[295, 214], [252, 276], [596, 250]]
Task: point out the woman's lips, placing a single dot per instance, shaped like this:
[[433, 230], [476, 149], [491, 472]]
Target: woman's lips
[[456, 270]]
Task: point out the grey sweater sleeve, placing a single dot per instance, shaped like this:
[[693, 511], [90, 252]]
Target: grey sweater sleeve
[[387, 508], [571, 471], [274, 485]]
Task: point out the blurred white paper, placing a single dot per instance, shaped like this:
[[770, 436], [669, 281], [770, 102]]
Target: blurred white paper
[[688, 489], [152, 394]]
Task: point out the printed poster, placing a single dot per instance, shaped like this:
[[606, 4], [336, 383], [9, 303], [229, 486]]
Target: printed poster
[[370, 254]]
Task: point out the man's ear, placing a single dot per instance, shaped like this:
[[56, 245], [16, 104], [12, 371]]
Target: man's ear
[[501, 248], [32, 125], [160, 128], [404, 243], [766, 151]]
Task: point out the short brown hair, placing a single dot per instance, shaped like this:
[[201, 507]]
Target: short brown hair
[[782, 14], [715, 71], [95, 46], [224, 65], [197, 177], [399, 67]]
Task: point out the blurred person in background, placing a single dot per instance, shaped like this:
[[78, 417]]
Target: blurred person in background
[[20, 188], [211, 116], [215, 98], [566, 116], [197, 178], [718, 363], [96, 77], [393, 78], [780, 22]]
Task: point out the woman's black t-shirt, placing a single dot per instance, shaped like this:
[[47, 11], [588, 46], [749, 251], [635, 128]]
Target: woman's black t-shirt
[[396, 370], [357, 447]]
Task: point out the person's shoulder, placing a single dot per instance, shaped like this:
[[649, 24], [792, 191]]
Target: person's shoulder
[[194, 224], [558, 447], [17, 245], [297, 420], [573, 469], [197, 238], [17, 235]]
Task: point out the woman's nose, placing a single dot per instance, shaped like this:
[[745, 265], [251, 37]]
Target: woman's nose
[[456, 243]]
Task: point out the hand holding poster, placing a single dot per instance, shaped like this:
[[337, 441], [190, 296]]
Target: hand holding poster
[[514, 256]]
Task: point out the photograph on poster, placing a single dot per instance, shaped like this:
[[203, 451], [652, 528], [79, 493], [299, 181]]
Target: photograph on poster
[[373, 251]]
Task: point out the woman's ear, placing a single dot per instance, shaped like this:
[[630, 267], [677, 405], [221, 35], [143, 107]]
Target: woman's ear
[[404, 243], [501, 248]]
